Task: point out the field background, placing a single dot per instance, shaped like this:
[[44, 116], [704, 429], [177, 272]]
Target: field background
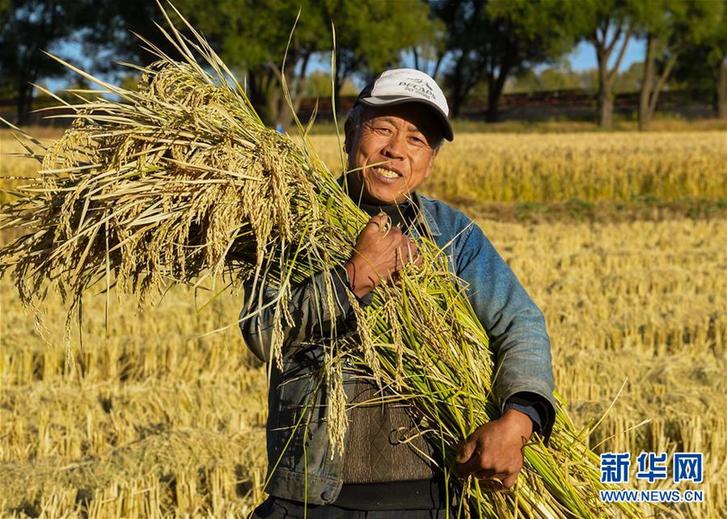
[[619, 237]]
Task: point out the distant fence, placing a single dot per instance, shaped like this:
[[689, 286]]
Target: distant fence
[[553, 99], [582, 98], [569, 99]]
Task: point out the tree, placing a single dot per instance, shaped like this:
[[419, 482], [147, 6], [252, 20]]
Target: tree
[[702, 67], [252, 37], [29, 28], [371, 34], [533, 32], [318, 85], [113, 36], [490, 40], [608, 25], [463, 20], [560, 77], [428, 55], [273, 22], [669, 27], [718, 57], [630, 79]]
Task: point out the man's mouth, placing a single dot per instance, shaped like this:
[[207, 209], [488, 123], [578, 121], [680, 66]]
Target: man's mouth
[[385, 173]]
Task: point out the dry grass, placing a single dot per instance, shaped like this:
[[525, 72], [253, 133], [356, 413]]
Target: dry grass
[[155, 418], [164, 421], [642, 303]]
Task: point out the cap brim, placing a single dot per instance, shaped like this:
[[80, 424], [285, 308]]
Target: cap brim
[[397, 100]]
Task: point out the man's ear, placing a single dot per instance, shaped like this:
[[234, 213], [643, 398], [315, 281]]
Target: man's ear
[[430, 167]]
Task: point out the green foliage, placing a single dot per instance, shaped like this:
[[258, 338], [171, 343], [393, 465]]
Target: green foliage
[[480, 44], [677, 22], [562, 77], [318, 85], [253, 36], [252, 33], [371, 34], [669, 26], [630, 79], [558, 77], [489, 40], [608, 26], [699, 65], [545, 29], [29, 28]]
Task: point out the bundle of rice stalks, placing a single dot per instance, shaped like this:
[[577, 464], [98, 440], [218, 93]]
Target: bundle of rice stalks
[[181, 181]]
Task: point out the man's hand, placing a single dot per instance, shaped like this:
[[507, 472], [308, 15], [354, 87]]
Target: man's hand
[[494, 450], [380, 252]]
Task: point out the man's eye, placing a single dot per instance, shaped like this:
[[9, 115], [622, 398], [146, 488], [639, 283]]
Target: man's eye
[[382, 130], [417, 140]]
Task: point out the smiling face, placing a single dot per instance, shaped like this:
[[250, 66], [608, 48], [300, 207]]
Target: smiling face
[[395, 147]]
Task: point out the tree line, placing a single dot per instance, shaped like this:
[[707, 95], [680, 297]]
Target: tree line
[[465, 44]]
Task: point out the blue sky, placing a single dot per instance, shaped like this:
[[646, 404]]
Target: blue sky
[[583, 57]]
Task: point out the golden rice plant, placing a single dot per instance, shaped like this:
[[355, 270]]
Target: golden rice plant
[[180, 181], [616, 167], [617, 170]]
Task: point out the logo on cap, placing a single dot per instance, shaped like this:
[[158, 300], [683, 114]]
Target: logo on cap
[[418, 86]]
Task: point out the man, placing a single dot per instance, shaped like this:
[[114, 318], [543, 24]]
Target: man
[[393, 136]]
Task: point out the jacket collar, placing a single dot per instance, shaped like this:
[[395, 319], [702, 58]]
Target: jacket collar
[[425, 205]]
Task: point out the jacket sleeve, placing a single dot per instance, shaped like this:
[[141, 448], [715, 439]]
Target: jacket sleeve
[[311, 316], [514, 323]]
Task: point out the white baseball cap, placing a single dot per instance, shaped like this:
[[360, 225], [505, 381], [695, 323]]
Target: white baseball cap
[[406, 85]]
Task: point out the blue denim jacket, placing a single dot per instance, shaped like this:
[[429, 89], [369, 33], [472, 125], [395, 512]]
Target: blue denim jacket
[[300, 465]]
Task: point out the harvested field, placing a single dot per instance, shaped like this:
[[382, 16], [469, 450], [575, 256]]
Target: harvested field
[[155, 418]]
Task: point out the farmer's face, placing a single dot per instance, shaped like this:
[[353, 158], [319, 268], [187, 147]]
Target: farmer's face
[[401, 140]]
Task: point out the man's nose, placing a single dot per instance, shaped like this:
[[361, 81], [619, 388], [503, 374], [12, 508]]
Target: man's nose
[[395, 147]]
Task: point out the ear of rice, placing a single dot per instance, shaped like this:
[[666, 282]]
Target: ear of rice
[[180, 181]]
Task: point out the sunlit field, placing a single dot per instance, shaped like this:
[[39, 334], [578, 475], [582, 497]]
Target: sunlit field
[[549, 168], [592, 167], [160, 411]]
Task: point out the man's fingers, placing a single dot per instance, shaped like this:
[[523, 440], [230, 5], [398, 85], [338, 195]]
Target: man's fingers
[[382, 221], [499, 459], [381, 217], [465, 451], [476, 465], [379, 222], [469, 459], [408, 251], [486, 474], [471, 466], [386, 247], [495, 482], [510, 480]]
